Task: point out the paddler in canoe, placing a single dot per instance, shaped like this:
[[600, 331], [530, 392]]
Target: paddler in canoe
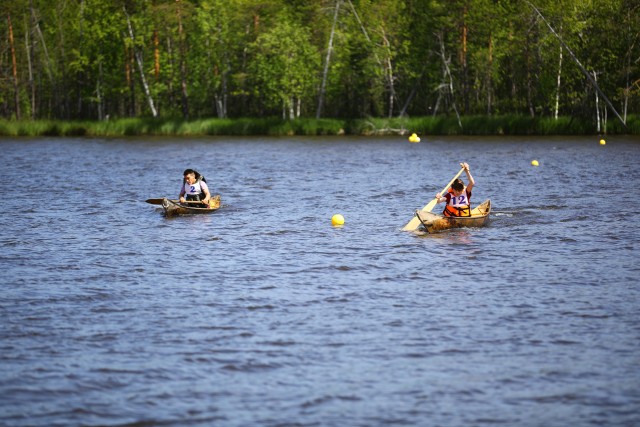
[[458, 197], [194, 189], [195, 197], [457, 212]]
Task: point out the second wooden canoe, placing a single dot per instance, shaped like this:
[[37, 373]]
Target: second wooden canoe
[[434, 223]]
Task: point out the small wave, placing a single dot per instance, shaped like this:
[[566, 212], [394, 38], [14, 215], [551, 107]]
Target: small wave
[[565, 342], [261, 307], [251, 366], [502, 214], [326, 399], [279, 343], [455, 351], [417, 355]]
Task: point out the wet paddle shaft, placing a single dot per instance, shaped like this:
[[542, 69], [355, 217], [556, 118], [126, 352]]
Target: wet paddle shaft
[[159, 201], [415, 222]]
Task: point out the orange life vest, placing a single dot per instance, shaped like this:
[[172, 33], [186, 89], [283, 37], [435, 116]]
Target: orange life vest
[[458, 206]]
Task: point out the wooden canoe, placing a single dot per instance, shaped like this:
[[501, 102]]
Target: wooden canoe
[[434, 223], [172, 208]]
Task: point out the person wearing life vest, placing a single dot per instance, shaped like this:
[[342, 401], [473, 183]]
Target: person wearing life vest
[[459, 197], [194, 188]]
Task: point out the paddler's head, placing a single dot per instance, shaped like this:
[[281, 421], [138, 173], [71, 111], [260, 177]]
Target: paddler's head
[[189, 176], [457, 187]]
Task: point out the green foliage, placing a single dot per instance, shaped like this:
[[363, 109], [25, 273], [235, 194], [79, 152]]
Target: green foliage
[[285, 67], [265, 58], [478, 125]]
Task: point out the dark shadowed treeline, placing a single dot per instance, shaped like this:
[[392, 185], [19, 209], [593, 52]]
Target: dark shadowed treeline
[[98, 59]]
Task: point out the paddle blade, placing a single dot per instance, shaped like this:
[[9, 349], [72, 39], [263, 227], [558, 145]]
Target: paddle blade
[[214, 202], [415, 222], [154, 201], [412, 225]]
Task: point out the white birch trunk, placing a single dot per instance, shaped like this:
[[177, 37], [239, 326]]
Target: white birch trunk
[[447, 71], [32, 86], [99, 92], [325, 72], [138, 58], [392, 91], [219, 106], [35, 20], [557, 106], [595, 78]]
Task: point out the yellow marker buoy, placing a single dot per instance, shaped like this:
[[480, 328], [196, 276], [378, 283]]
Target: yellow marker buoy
[[337, 220], [603, 142], [534, 163], [414, 138]]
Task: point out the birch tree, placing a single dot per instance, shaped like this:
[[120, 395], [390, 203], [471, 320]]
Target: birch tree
[[138, 58], [285, 68]]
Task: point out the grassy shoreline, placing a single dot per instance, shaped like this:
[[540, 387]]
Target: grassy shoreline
[[471, 125]]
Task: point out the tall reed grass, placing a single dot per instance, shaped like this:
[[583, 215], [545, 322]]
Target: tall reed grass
[[441, 125]]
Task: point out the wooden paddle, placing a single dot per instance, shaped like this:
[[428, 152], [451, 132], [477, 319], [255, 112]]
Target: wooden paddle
[[159, 201], [415, 221]]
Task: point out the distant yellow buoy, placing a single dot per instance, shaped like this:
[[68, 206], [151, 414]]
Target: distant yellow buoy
[[534, 163], [603, 142], [337, 220], [414, 138]]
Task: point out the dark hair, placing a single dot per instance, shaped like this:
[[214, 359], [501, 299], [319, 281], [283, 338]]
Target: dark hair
[[195, 173], [458, 185]]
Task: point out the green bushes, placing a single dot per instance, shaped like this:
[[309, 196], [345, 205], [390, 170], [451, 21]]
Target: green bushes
[[441, 125]]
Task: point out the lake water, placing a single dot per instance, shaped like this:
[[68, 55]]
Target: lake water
[[263, 314]]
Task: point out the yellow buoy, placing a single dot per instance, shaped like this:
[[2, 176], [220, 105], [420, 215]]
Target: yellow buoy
[[534, 163], [414, 138], [603, 142], [337, 220]]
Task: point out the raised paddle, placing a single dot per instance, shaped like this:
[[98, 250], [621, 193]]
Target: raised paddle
[[415, 221]]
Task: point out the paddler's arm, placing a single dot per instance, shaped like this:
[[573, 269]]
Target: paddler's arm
[[207, 194], [472, 181]]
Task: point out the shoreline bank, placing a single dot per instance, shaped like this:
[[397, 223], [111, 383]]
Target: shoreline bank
[[445, 125]]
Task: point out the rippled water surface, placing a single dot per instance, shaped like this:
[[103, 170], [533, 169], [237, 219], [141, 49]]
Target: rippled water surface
[[263, 314]]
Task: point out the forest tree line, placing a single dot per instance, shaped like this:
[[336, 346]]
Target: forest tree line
[[100, 59]]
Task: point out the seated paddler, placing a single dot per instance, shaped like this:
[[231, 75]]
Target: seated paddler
[[459, 196], [194, 189]]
